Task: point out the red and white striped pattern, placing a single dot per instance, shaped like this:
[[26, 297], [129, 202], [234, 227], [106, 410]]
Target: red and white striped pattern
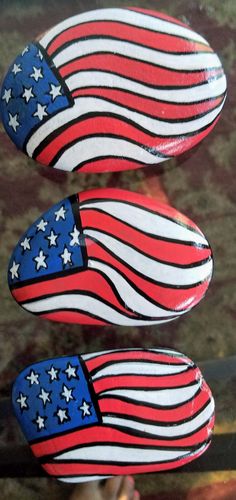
[[157, 414], [145, 86], [146, 264]]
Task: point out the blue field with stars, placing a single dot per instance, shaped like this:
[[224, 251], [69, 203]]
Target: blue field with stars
[[51, 245], [31, 92], [53, 396]]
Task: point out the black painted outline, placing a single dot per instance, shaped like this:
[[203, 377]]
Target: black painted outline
[[106, 364], [142, 61], [135, 228], [136, 27], [122, 119]]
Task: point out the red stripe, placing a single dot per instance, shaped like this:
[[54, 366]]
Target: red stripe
[[111, 435], [138, 199], [167, 381], [130, 410], [120, 164], [173, 298], [157, 357], [73, 317], [121, 129], [167, 251], [111, 165], [157, 109], [88, 281], [64, 469], [143, 72], [158, 41]]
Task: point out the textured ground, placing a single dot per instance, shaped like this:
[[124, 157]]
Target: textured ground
[[201, 185]]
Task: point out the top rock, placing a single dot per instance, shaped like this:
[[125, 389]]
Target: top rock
[[113, 89]]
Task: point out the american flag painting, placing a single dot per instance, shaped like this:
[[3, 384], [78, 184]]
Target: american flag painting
[[113, 89], [109, 256], [114, 412]]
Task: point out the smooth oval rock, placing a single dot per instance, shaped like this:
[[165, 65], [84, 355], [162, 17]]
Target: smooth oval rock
[[109, 256], [113, 89], [114, 412]]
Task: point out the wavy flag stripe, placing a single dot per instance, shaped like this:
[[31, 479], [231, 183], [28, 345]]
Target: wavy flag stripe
[[111, 257], [113, 89], [83, 419]]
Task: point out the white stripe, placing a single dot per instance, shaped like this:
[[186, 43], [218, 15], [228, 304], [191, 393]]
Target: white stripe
[[94, 147], [168, 431], [81, 479], [159, 272], [92, 104], [165, 397], [139, 368], [109, 454], [198, 93], [98, 78], [92, 355], [123, 15], [186, 62], [146, 221], [172, 353], [86, 304], [132, 299]]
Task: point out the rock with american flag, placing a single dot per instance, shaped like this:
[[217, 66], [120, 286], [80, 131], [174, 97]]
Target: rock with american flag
[[109, 256], [115, 412], [113, 89]]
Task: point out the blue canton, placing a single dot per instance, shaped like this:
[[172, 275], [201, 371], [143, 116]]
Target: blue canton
[[53, 396], [51, 245], [30, 94]]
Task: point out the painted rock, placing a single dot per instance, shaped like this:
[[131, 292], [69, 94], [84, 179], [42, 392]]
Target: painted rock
[[113, 89], [110, 256], [114, 412]]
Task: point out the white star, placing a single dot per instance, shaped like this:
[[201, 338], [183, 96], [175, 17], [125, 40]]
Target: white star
[[16, 69], [28, 93], [33, 378], [66, 256], [37, 73], [7, 95], [41, 226], [41, 111], [22, 401], [62, 415], [13, 122], [71, 371], [67, 393], [14, 270], [26, 49], [45, 396], [40, 421], [85, 408], [40, 55], [55, 91], [75, 237], [26, 244], [60, 214], [53, 373], [52, 239], [40, 260]]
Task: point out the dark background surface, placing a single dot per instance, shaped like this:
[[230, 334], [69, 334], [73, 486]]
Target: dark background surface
[[201, 184]]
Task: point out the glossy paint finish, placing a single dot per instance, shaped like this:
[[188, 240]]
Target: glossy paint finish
[[110, 256], [114, 412], [113, 89]]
